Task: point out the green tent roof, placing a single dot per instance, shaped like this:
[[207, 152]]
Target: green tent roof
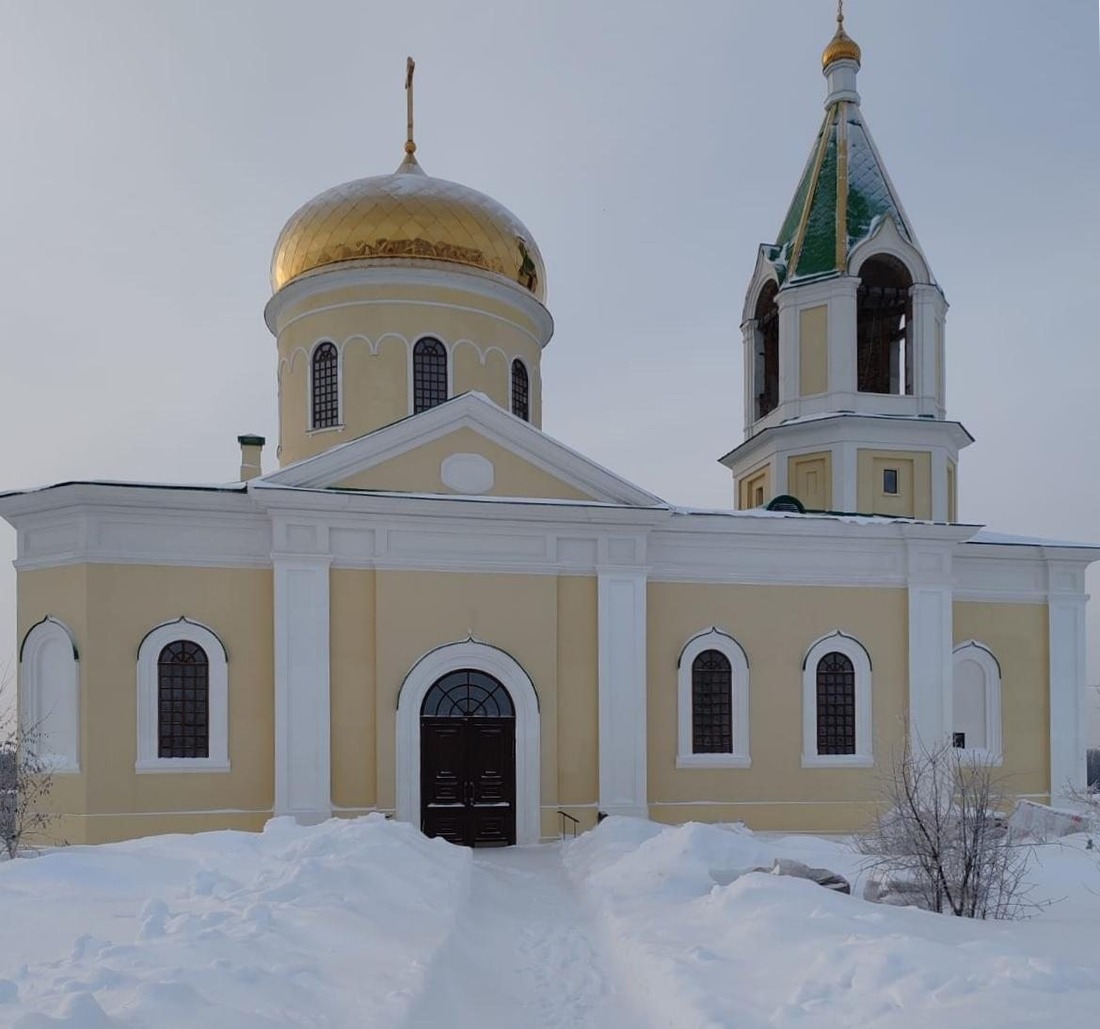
[[843, 182]]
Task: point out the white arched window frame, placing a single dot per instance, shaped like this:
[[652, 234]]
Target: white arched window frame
[[839, 643], [147, 696], [713, 639], [310, 412], [990, 668], [49, 695]]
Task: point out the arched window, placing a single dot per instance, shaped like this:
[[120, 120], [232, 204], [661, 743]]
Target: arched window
[[976, 701], [183, 701], [766, 358], [884, 312], [325, 386], [49, 696], [713, 703], [836, 703], [429, 374], [521, 391]]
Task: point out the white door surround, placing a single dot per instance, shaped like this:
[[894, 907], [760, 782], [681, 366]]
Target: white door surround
[[454, 657]]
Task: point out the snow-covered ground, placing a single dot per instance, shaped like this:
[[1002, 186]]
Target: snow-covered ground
[[366, 923]]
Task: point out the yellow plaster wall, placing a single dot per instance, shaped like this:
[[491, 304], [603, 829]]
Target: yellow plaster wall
[[914, 496], [1018, 636], [776, 625], [374, 329], [124, 602], [418, 470], [352, 669], [813, 350], [758, 479], [419, 611], [810, 478], [578, 698]]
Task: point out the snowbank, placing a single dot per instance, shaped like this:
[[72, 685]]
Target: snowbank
[[770, 951], [328, 925]]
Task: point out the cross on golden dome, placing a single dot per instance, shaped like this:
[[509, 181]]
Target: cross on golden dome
[[841, 47]]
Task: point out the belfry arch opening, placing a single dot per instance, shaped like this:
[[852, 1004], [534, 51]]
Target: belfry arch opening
[[766, 356], [884, 315]]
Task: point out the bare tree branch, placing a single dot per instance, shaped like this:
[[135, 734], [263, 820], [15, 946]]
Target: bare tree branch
[[944, 840]]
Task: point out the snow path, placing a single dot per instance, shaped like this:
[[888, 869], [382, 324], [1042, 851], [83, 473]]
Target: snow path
[[524, 952]]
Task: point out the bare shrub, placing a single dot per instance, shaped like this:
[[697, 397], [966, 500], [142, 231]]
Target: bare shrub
[[944, 840], [26, 778]]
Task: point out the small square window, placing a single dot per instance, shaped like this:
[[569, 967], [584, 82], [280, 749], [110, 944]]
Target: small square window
[[958, 739], [890, 481]]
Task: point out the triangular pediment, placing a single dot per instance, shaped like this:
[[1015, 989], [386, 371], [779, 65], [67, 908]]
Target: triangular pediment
[[466, 446]]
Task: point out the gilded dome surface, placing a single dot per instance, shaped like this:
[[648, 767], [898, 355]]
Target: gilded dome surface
[[407, 215]]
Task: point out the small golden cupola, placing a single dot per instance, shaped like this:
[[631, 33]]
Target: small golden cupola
[[393, 293], [841, 47]]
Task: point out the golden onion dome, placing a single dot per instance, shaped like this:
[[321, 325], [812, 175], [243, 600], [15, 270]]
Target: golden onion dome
[[841, 47], [407, 215]]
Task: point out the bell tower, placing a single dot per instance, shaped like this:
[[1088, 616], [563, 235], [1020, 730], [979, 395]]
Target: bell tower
[[843, 335]]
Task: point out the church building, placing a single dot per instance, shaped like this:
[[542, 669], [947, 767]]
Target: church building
[[433, 609]]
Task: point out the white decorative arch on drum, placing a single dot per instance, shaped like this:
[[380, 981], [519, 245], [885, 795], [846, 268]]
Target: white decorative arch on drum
[[454, 657]]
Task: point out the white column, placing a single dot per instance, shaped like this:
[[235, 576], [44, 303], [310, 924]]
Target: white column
[[931, 639], [302, 723], [929, 308], [845, 477], [622, 688], [1068, 716], [842, 343], [748, 340]]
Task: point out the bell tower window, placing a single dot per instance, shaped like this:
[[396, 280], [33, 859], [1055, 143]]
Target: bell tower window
[[429, 374], [766, 357], [884, 353]]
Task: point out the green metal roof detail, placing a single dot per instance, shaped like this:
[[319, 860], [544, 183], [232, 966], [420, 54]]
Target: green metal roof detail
[[843, 177]]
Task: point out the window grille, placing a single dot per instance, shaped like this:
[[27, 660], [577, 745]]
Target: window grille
[[429, 374], [183, 701], [467, 694], [836, 705], [711, 704], [521, 391], [326, 389]]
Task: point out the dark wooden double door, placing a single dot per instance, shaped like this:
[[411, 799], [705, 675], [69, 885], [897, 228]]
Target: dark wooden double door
[[468, 762]]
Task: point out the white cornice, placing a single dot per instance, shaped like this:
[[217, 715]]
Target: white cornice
[[396, 272], [893, 433]]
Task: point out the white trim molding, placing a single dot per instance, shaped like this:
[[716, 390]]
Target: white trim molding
[[738, 757], [841, 643], [454, 657], [49, 695], [303, 731], [217, 698], [979, 654]]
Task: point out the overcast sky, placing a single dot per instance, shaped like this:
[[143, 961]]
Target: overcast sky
[[153, 150]]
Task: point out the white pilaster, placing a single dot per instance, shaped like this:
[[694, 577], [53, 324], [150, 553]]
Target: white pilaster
[[931, 639], [929, 308], [622, 683], [748, 340], [302, 702], [845, 477], [939, 484], [842, 343], [1068, 721]]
